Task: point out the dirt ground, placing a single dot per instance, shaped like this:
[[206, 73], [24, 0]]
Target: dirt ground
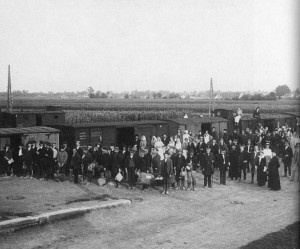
[[222, 217]]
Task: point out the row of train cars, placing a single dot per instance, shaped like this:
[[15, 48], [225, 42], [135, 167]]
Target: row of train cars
[[49, 125]]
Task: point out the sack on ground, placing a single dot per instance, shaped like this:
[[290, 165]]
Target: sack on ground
[[101, 181], [119, 177], [145, 178]]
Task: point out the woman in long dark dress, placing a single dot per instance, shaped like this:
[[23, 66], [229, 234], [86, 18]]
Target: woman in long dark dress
[[261, 170], [274, 179]]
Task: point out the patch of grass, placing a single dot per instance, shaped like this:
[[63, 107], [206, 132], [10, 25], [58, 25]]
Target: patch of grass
[[287, 238]]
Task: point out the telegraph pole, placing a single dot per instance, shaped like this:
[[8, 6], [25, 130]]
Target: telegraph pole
[[211, 99], [9, 95]]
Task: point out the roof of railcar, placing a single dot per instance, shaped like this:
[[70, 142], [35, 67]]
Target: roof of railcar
[[198, 120], [267, 116], [27, 130], [119, 124]]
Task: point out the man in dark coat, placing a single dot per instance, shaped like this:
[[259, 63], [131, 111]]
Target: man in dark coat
[[165, 140], [223, 166], [76, 164], [130, 166], [287, 158], [179, 163], [208, 168], [253, 161], [234, 163], [256, 114], [248, 149], [166, 172], [274, 179], [106, 164], [28, 160], [243, 162], [201, 151], [49, 162]]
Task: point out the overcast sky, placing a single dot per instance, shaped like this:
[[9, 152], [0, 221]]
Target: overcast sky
[[123, 45]]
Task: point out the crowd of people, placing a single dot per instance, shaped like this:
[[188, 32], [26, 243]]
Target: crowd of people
[[173, 161]]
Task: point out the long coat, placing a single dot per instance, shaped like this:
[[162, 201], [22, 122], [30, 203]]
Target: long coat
[[274, 179], [166, 168], [208, 160], [223, 162], [261, 175], [76, 161]]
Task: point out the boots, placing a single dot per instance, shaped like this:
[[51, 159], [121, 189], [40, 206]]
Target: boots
[[193, 185], [188, 185]]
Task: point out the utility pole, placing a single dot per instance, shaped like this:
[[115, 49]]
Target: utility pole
[[211, 99], [9, 95]]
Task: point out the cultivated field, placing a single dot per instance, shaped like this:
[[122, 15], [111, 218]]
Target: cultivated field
[[83, 110]]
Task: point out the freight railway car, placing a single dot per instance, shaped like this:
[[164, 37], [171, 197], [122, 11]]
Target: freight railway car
[[15, 136], [116, 133], [267, 120]]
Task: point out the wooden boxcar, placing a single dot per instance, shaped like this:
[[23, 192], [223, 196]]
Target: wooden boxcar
[[196, 124], [108, 133], [14, 136], [227, 114], [32, 118]]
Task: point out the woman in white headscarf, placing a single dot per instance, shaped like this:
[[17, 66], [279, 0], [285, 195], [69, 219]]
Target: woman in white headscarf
[[159, 147]]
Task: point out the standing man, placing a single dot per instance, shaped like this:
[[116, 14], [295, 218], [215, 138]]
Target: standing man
[[287, 158], [208, 170], [243, 161], [76, 164], [130, 166], [234, 162], [248, 149], [179, 163], [296, 162], [254, 162], [166, 172], [223, 166]]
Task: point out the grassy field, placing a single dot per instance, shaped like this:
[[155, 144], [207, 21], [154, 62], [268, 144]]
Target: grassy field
[[105, 110]]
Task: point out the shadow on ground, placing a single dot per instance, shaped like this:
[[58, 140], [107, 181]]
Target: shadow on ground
[[287, 238]]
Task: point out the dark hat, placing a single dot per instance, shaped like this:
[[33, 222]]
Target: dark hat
[[20, 144], [33, 141], [41, 142], [116, 148], [104, 148]]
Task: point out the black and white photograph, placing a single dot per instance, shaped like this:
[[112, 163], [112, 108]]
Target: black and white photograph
[[149, 124]]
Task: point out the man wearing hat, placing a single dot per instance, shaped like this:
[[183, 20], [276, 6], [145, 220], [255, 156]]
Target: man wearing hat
[[130, 167], [28, 160], [234, 156], [105, 162], [49, 162], [225, 136], [287, 158], [115, 163], [179, 163], [166, 171], [243, 161], [201, 148], [208, 168], [248, 149], [223, 166]]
